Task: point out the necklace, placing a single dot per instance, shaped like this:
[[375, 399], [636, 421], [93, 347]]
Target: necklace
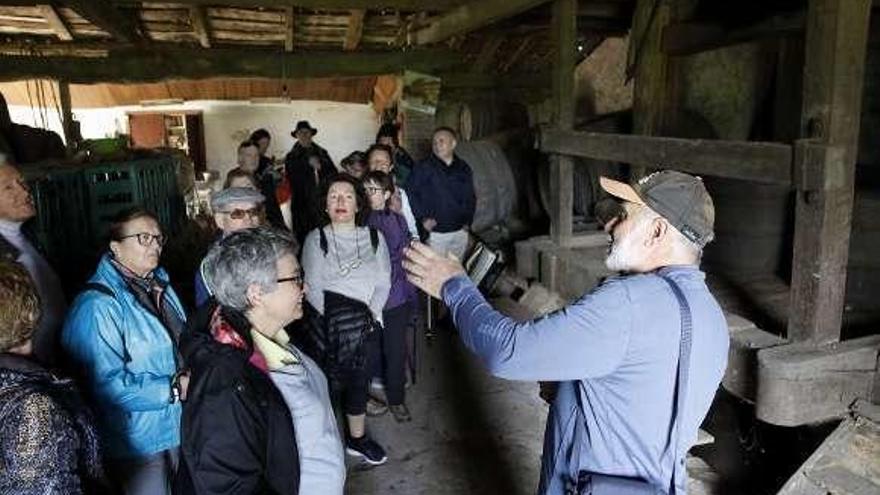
[[346, 268]]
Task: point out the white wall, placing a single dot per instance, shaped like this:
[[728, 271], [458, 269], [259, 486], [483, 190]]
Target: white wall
[[342, 127]]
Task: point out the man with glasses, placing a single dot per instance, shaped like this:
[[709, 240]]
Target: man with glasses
[[236, 208], [638, 359], [16, 208]]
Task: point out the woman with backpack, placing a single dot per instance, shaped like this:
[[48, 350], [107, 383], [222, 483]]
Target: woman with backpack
[[121, 335], [348, 275]]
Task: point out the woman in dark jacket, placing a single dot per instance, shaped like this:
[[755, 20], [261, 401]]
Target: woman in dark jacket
[[237, 433], [48, 443]]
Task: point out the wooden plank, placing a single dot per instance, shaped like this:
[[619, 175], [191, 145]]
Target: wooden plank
[[107, 17], [517, 53], [406, 5], [687, 38], [56, 23], [156, 64], [200, 25], [289, 28], [563, 33], [769, 163], [836, 41], [803, 383], [486, 56], [746, 339], [355, 29], [66, 114], [470, 17]]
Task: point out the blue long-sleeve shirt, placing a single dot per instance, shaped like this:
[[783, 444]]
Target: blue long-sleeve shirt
[[443, 192], [617, 347]]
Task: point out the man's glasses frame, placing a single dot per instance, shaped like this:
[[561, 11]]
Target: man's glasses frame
[[296, 279], [147, 239], [238, 213]]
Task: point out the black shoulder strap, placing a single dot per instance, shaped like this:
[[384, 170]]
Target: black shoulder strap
[[99, 287], [684, 358], [374, 239], [323, 240]]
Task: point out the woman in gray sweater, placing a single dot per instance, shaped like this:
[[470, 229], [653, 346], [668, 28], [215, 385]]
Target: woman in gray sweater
[[348, 275]]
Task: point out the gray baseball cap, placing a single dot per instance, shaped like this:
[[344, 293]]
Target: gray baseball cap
[[224, 198], [680, 198]]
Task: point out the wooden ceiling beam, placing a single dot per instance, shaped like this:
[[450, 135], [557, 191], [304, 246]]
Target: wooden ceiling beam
[[289, 27], [487, 53], [157, 64], [50, 13], [687, 38], [355, 29], [406, 5], [470, 17], [199, 18], [107, 17]]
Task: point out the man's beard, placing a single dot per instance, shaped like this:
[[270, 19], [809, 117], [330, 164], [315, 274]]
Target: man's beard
[[623, 252]]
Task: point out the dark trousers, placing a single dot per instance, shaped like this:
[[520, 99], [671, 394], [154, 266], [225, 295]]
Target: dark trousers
[[354, 383], [388, 353]]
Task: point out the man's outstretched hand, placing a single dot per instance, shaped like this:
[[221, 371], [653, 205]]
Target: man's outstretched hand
[[428, 270]]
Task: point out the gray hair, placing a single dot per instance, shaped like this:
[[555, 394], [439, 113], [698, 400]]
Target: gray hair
[[680, 244], [243, 258]]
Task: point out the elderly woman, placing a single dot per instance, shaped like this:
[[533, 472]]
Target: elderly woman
[[238, 429], [235, 208], [121, 336], [48, 443], [348, 272]]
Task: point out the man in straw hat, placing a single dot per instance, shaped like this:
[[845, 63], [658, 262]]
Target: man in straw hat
[[638, 359]]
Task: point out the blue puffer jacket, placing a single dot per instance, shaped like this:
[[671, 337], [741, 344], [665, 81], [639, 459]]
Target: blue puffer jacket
[[127, 361]]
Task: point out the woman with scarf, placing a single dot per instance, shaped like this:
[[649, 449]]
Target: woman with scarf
[[48, 443], [121, 337], [348, 273], [258, 418]]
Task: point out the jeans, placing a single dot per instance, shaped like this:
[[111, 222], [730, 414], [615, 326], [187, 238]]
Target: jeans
[[151, 475]]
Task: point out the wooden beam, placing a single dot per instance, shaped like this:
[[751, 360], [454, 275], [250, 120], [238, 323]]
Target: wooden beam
[[487, 54], [289, 29], [563, 33], [138, 65], [108, 18], [693, 37], [769, 163], [355, 29], [517, 53], [199, 18], [56, 22], [405, 5], [836, 42], [470, 17], [66, 114]]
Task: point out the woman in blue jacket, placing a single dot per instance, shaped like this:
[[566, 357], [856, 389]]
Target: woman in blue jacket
[[121, 336]]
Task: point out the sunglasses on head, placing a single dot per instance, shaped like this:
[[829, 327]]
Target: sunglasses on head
[[239, 214]]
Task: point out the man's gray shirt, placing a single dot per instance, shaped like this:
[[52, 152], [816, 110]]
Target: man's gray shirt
[[618, 348]]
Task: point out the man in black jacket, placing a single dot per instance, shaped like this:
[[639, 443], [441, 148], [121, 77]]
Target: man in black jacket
[[307, 166]]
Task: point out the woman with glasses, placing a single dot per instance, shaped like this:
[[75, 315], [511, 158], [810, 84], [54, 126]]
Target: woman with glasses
[[121, 335], [235, 208], [389, 350], [348, 272], [241, 434]]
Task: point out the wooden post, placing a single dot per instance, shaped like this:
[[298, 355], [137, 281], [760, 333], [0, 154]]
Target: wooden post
[[564, 29], [836, 41], [66, 114]]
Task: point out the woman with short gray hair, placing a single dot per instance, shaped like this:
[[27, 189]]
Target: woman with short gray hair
[[258, 416]]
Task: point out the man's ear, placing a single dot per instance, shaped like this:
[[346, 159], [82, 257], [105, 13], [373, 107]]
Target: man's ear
[[254, 295], [659, 230]]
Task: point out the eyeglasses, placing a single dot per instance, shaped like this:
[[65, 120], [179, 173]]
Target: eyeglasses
[[238, 214], [373, 190], [296, 279], [146, 239]]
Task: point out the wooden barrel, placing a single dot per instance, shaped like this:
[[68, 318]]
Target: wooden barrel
[[494, 182], [477, 119], [753, 228]]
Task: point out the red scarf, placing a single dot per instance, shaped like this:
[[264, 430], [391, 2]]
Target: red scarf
[[223, 332]]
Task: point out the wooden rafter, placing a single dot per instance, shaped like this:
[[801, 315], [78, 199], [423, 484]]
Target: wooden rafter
[[156, 64], [50, 13], [689, 37], [406, 5], [288, 29], [108, 17], [470, 17], [518, 52], [487, 53], [199, 19], [355, 29]]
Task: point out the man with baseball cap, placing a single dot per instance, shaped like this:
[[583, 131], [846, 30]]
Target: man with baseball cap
[[638, 359]]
